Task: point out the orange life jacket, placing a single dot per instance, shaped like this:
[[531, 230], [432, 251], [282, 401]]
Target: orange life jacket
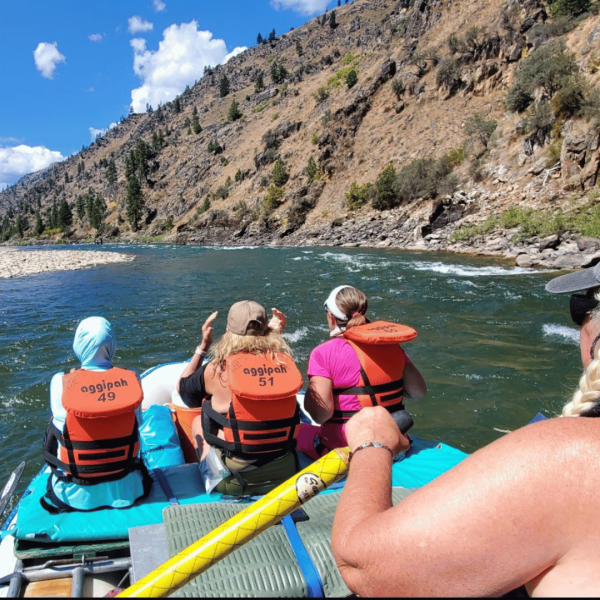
[[382, 363], [99, 441], [264, 417]]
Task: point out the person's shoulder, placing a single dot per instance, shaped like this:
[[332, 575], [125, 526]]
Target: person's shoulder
[[566, 448], [331, 345]]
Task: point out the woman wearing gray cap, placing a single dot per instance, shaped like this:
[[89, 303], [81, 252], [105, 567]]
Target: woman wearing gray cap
[[246, 437], [521, 511], [347, 373]]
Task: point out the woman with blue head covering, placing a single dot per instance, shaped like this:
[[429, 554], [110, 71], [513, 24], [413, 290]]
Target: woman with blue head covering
[[92, 441]]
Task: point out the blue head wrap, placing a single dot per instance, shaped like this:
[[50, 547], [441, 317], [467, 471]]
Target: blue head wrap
[[95, 344]]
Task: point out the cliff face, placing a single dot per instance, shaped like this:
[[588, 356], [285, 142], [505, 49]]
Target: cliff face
[[433, 77]]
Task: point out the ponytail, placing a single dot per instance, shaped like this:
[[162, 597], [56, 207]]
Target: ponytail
[[353, 304], [587, 396]]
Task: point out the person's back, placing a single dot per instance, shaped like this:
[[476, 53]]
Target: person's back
[[92, 441], [361, 365], [246, 436]]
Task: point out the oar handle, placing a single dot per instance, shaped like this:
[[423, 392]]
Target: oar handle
[[403, 420], [248, 523]]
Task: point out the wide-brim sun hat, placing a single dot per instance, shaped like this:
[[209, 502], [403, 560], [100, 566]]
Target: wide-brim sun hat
[[247, 318], [574, 282]]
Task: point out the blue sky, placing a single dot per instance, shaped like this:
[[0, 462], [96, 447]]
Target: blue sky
[[70, 68]]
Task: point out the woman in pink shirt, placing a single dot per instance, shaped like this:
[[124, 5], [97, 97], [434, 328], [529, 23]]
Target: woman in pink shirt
[[334, 367]]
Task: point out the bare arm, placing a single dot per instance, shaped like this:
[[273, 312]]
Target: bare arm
[[414, 384], [204, 346], [489, 525], [318, 401]]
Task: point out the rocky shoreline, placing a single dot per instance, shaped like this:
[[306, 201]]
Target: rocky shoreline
[[18, 263], [426, 228]]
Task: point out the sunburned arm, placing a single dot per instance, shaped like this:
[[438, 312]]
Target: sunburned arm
[[491, 524], [318, 400], [414, 384]]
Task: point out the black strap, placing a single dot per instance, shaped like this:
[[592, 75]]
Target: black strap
[[237, 449], [398, 384], [73, 473], [340, 417]]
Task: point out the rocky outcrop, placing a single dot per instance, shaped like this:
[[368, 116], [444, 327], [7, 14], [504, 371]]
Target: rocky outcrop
[[580, 160]]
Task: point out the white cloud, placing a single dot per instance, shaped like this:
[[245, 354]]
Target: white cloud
[[137, 24], [95, 133], [95, 37], [159, 5], [180, 59], [20, 160], [46, 58], [304, 7]]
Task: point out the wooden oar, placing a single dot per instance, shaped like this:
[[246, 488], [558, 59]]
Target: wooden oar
[[10, 486], [247, 524]]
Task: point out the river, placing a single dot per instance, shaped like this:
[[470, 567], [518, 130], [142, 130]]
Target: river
[[493, 346]]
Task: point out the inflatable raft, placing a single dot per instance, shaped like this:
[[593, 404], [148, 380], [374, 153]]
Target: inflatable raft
[[88, 554]]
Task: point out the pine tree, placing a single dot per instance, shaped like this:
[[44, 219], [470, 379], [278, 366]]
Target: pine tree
[[299, 49], [177, 105], [224, 86], [272, 36], [20, 225], [39, 225], [80, 206], [54, 216], [65, 215], [134, 202], [234, 111], [280, 174], [259, 85], [351, 78], [278, 72], [259, 39], [332, 21], [111, 172], [311, 169], [196, 124]]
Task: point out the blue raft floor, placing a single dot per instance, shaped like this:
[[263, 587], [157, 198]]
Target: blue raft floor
[[422, 463]]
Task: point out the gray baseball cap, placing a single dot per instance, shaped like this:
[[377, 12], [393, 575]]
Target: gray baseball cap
[[573, 282]]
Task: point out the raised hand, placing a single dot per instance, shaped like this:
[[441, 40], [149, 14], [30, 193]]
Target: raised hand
[[278, 320]]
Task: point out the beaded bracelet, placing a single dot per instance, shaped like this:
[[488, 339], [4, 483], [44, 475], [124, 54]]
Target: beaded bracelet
[[369, 445]]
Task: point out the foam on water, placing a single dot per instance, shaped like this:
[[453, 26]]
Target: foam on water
[[296, 336], [469, 271], [565, 334]]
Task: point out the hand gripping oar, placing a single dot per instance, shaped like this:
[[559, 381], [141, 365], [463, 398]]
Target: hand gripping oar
[[10, 486], [247, 524]]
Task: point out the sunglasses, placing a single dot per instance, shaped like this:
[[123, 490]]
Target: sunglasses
[[580, 306]]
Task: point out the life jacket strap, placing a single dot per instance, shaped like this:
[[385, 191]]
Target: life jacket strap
[[340, 417], [239, 449], [397, 386], [72, 472]]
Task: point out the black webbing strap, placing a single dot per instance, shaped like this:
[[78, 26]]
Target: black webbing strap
[[238, 449], [340, 417], [381, 388]]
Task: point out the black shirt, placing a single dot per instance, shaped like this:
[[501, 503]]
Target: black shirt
[[192, 388]]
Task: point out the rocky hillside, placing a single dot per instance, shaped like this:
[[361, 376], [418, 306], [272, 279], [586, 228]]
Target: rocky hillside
[[471, 126]]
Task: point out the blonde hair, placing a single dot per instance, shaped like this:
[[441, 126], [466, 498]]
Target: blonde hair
[[271, 342], [588, 394], [351, 301]]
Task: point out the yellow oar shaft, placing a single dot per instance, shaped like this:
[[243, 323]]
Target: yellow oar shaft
[[241, 528]]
